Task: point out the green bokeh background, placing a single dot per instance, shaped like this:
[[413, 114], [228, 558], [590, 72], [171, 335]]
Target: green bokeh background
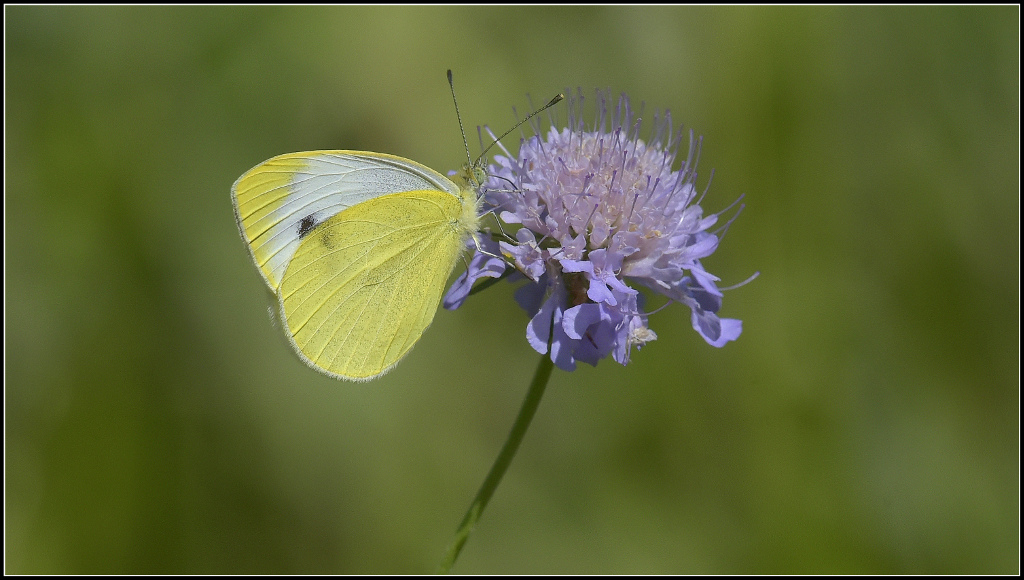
[[867, 420]]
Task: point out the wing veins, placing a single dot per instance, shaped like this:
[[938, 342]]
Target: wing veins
[[393, 295]]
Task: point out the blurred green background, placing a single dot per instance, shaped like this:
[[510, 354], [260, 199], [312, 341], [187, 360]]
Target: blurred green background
[[867, 420]]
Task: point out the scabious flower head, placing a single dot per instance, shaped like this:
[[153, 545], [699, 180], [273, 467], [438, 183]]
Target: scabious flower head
[[601, 212]]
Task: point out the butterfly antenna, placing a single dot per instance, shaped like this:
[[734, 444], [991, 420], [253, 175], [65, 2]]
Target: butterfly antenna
[[550, 104], [465, 143]]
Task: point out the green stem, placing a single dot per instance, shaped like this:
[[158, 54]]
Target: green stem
[[515, 437]]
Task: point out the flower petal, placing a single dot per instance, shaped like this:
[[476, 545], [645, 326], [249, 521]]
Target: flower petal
[[484, 264]]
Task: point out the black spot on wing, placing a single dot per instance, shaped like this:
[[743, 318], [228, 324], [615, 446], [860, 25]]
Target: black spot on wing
[[306, 225]]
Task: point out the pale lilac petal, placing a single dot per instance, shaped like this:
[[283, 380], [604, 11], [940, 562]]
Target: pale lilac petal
[[577, 266], [716, 331], [482, 265], [578, 319], [531, 296], [538, 331], [561, 345]]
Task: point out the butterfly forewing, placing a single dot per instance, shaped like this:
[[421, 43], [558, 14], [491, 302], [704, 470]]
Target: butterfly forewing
[[282, 200]]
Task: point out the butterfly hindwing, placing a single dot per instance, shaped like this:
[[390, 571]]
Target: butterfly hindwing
[[362, 286]]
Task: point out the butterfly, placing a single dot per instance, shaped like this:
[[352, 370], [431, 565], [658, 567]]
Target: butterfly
[[357, 248]]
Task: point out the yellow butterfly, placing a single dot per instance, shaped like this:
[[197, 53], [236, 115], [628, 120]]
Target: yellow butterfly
[[357, 247]]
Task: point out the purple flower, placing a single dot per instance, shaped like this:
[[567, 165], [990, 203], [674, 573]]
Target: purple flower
[[600, 209]]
